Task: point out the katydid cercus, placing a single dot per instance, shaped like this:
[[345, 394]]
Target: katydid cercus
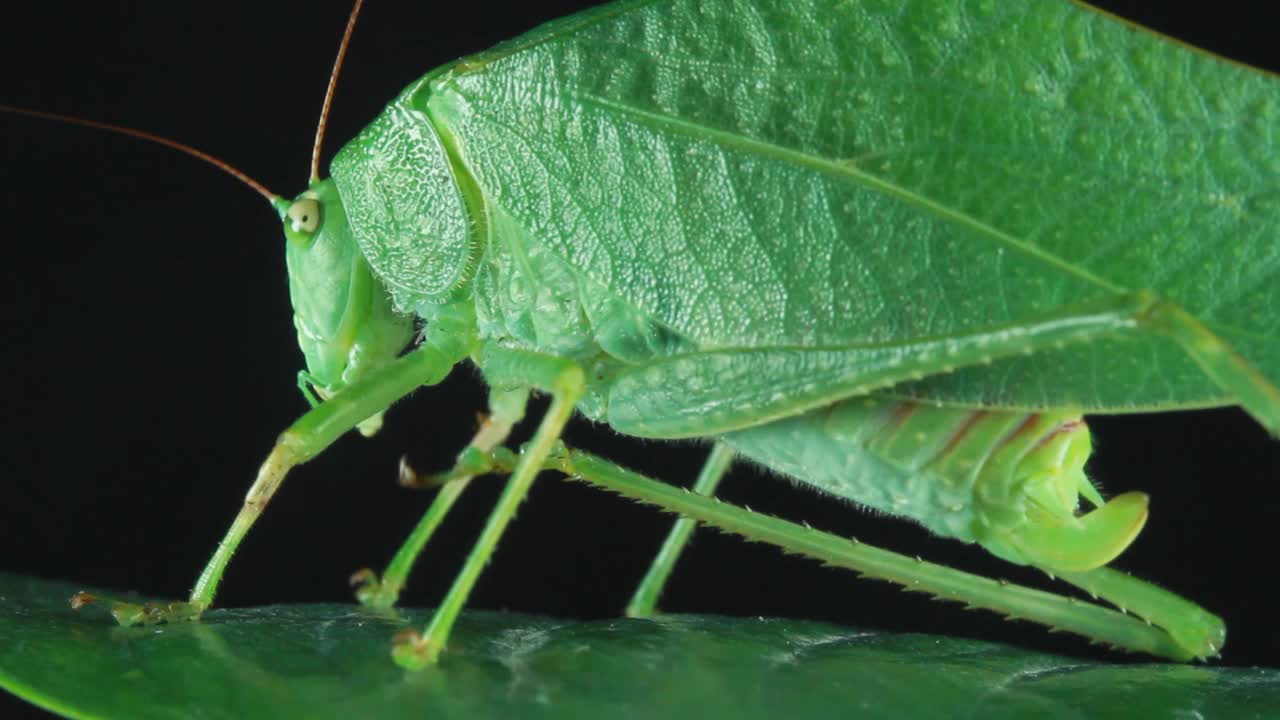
[[231, 250]]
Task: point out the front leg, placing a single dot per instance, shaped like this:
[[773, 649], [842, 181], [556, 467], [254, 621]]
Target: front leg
[[305, 439]]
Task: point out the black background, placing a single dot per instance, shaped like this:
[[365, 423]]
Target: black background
[[149, 358]]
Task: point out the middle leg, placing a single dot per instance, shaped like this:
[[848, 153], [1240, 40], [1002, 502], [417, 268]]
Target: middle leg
[[505, 410], [565, 381]]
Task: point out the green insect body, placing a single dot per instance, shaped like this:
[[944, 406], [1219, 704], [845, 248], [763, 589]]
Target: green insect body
[[699, 314], [527, 296], [740, 221]]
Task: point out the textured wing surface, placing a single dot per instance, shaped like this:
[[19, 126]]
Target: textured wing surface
[[806, 172], [406, 210]]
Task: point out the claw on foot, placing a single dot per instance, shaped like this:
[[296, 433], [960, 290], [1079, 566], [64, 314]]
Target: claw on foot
[[363, 576], [129, 614], [472, 461], [410, 478], [371, 591], [412, 651], [466, 466], [374, 592]]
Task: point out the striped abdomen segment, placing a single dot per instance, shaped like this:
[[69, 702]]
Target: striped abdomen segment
[[975, 475]]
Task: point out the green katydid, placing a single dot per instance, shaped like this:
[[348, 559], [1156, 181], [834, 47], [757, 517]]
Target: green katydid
[[745, 352]]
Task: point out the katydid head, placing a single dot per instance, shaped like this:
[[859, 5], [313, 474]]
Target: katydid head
[[346, 325], [345, 322], [344, 318]]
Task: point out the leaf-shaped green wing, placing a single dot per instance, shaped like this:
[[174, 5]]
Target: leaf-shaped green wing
[[807, 172]]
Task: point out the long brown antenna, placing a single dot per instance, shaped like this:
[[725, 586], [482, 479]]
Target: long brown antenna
[[143, 135], [328, 93]]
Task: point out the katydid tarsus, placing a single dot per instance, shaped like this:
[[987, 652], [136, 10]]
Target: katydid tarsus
[[677, 409]]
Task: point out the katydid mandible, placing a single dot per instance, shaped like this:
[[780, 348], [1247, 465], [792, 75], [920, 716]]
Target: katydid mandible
[[721, 259]]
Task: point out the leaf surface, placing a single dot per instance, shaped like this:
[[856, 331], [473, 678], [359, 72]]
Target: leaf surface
[[332, 661]]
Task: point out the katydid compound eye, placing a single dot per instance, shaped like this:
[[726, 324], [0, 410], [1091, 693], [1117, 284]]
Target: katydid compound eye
[[304, 215]]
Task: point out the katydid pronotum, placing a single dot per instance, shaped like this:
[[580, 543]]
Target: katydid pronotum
[[1116, 483]]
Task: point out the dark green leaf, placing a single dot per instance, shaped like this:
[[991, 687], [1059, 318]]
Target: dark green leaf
[[332, 661]]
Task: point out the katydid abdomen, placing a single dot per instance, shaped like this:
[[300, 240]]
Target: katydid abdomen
[[1008, 480]]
